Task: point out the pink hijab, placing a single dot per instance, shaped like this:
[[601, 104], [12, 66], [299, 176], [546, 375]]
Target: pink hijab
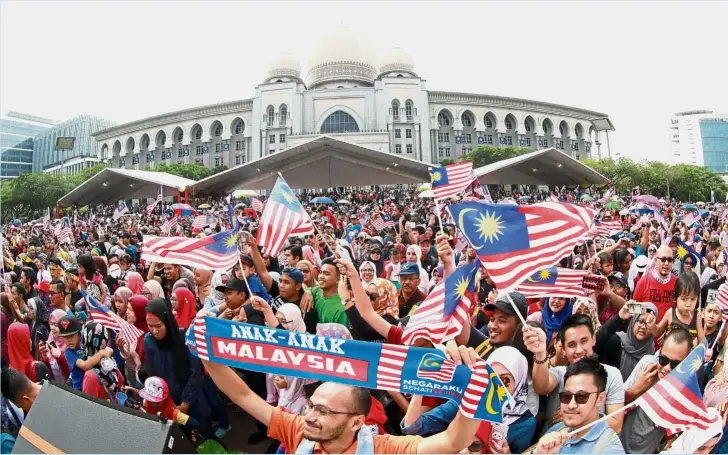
[[135, 282]]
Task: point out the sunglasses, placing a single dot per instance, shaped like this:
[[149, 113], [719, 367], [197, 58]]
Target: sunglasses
[[580, 397], [376, 252], [669, 260], [665, 360], [373, 297]]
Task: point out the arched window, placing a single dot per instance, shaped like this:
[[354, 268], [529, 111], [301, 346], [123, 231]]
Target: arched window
[[467, 121], [395, 109], [509, 124], [443, 119], [198, 133], [408, 109], [339, 122], [271, 115], [180, 136], [240, 127], [218, 131], [284, 114], [488, 122]]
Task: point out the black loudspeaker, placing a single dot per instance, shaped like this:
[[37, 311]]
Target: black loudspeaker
[[68, 421]]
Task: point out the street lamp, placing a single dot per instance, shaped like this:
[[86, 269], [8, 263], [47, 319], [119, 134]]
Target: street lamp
[[64, 143]]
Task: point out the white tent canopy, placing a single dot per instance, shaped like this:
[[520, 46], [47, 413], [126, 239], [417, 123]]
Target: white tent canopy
[[323, 162], [543, 167], [111, 185]]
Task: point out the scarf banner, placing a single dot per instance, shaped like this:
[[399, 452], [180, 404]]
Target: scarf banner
[[404, 369]]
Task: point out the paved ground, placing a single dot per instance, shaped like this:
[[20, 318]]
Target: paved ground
[[243, 426]]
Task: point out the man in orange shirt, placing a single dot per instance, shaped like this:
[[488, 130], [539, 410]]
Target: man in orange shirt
[[334, 416]]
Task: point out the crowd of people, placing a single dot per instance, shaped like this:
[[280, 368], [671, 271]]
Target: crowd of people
[[573, 362]]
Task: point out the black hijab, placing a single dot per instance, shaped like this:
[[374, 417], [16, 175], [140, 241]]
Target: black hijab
[[174, 340]]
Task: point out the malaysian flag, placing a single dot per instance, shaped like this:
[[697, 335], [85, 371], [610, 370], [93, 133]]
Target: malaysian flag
[[675, 402], [204, 220], [158, 200], [382, 222], [63, 231], [391, 363], [485, 389], [446, 309], [554, 282], [553, 197], [515, 241], [608, 227], [257, 204], [722, 300], [684, 250], [283, 216], [607, 196], [451, 180], [436, 367], [104, 315], [120, 210], [692, 218], [215, 252], [169, 224]]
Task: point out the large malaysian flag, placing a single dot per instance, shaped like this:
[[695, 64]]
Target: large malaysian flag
[[554, 282], [451, 180], [282, 217], [215, 252]]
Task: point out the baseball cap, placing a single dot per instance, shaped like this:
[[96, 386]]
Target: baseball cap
[[502, 303], [44, 286], [69, 325], [640, 263], [618, 276], [155, 389], [247, 260], [234, 284], [294, 273], [409, 268], [115, 270]]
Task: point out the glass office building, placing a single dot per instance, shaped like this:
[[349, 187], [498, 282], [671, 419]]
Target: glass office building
[[16, 142], [714, 136], [84, 153]]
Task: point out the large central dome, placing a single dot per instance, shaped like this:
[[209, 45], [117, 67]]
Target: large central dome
[[342, 56]]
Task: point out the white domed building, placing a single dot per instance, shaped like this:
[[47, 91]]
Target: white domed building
[[353, 93]]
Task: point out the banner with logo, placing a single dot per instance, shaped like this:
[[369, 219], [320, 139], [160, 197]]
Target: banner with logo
[[404, 369]]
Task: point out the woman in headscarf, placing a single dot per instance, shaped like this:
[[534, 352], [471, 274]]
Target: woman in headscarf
[[183, 305], [186, 283], [57, 344], [90, 279], [4, 336], [625, 338], [376, 257], [20, 356], [120, 303], [153, 290], [310, 255], [105, 379], [310, 273], [203, 282], [167, 356], [414, 253], [37, 318], [215, 301], [287, 391], [585, 305], [367, 272], [135, 282], [554, 313], [512, 368], [133, 351]]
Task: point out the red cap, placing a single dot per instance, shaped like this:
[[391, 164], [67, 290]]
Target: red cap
[[44, 286]]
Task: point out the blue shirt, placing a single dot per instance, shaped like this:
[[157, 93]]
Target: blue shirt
[[600, 439], [76, 373]]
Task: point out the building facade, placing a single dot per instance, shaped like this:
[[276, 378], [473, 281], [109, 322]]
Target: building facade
[[700, 138], [353, 93], [84, 153], [17, 131], [714, 142]]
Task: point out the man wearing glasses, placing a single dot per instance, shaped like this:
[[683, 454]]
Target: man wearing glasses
[[639, 433], [659, 285], [584, 393]]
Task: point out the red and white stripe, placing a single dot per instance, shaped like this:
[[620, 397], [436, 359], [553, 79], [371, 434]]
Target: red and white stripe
[[722, 301], [430, 322], [257, 204], [459, 176], [477, 384], [277, 223], [187, 251], [200, 340], [444, 374], [391, 363], [568, 284], [105, 316], [607, 227], [153, 205]]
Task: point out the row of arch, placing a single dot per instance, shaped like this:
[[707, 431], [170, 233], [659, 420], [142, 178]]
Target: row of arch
[[282, 114], [216, 130], [511, 124], [409, 108]]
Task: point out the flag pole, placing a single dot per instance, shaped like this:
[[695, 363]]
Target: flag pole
[[611, 414]]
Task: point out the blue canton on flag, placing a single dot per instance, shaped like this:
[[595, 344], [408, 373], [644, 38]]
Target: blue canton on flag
[[435, 366]]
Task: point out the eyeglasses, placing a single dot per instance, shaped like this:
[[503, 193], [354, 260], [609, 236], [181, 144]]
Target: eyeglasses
[[146, 293], [668, 259], [283, 321], [372, 296], [642, 322], [367, 271], [323, 411], [580, 397], [665, 360], [376, 252], [476, 446], [506, 381]]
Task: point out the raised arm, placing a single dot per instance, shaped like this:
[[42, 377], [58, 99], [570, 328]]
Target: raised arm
[[361, 299], [259, 265]]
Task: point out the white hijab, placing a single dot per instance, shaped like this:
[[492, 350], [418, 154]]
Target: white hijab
[[512, 359], [217, 296], [693, 438], [361, 275], [424, 278]]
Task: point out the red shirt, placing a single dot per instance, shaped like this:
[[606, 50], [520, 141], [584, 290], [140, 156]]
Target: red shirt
[[650, 290]]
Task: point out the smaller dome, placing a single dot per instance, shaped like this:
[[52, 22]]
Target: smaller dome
[[284, 64], [397, 59]]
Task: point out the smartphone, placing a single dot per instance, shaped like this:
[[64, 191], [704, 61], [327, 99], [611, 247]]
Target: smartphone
[[53, 344], [636, 308], [593, 282]]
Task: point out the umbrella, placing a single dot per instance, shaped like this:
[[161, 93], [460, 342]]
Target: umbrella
[[323, 200], [17, 222], [586, 198], [624, 212], [704, 213], [647, 199], [613, 205], [524, 198], [508, 201], [690, 207], [662, 201], [204, 206], [244, 193], [343, 201], [240, 206], [427, 193], [183, 209], [700, 204], [424, 187]]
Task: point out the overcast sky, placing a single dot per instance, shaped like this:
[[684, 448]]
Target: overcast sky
[[638, 62]]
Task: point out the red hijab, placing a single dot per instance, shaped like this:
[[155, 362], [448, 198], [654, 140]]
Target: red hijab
[[19, 349], [186, 307], [137, 304]]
